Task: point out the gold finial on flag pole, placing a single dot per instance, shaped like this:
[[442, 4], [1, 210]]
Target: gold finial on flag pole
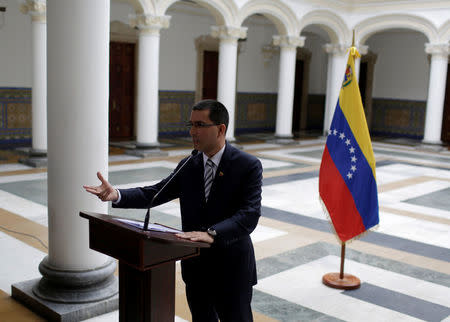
[[353, 51]]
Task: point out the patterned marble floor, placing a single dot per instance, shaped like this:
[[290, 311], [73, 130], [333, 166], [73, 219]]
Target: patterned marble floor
[[404, 266]]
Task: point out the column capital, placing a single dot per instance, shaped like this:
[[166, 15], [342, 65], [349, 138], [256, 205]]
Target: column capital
[[37, 9], [442, 50], [228, 33], [288, 41], [335, 49], [149, 24]]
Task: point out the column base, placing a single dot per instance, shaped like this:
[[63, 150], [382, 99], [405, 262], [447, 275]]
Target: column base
[[70, 295], [283, 140], [434, 146], [149, 146], [146, 152], [52, 311], [142, 150], [35, 158]]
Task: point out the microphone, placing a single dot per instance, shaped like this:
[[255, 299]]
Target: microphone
[[147, 215]]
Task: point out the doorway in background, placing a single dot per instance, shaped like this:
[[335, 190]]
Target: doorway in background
[[445, 136], [121, 91]]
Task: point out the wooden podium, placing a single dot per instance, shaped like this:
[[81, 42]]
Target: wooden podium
[[146, 265]]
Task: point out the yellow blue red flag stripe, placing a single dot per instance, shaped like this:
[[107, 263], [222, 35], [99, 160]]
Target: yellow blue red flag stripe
[[347, 179]]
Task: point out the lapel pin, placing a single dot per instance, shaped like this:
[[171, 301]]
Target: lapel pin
[[220, 174]]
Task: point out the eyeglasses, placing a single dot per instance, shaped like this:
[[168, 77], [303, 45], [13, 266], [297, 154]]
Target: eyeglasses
[[199, 125]]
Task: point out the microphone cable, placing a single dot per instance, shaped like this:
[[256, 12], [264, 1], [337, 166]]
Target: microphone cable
[[147, 215], [24, 234]]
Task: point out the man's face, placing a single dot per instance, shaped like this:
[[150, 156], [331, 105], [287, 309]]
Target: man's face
[[205, 139]]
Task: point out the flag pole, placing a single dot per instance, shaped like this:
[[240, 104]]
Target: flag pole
[[341, 273], [341, 280], [353, 38]]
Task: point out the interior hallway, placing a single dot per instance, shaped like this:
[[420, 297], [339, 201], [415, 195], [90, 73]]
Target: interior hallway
[[404, 266]]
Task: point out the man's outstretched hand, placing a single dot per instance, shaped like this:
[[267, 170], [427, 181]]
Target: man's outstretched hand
[[105, 191]]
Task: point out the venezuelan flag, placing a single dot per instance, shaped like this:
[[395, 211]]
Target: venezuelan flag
[[347, 180]]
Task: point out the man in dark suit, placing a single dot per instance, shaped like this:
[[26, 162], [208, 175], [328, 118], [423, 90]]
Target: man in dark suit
[[220, 201]]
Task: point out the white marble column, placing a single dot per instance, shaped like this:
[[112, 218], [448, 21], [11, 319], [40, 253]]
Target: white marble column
[[37, 11], [436, 92], [78, 86], [78, 82], [147, 119], [337, 60], [226, 80], [286, 83]]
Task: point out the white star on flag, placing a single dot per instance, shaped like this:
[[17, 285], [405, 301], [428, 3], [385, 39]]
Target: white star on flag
[[342, 135], [353, 168], [354, 159], [347, 141], [352, 150], [349, 175], [334, 132]]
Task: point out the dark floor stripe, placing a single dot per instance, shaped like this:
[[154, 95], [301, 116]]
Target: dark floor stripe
[[428, 166], [396, 266], [402, 303], [409, 246], [303, 255], [283, 310], [306, 175], [380, 239], [315, 173], [385, 163], [290, 177], [275, 264], [139, 175], [437, 199], [424, 156], [34, 190], [287, 311]]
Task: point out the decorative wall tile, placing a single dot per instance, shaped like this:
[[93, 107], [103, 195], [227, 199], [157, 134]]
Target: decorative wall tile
[[19, 115], [255, 112], [170, 112], [398, 118], [15, 116], [174, 111]]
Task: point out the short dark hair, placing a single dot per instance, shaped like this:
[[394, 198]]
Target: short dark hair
[[218, 113]]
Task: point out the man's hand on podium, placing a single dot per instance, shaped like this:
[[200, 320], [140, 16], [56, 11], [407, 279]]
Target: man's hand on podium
[[199, 236], [105, 191]]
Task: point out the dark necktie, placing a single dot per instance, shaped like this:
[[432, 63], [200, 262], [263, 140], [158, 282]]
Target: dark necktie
[[209, 176]]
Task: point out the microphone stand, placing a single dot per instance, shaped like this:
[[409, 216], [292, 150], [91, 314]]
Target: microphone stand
[[147, 215]]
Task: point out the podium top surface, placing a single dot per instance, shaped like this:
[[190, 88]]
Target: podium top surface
[[144, 234]]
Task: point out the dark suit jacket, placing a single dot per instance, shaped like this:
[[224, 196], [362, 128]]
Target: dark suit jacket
[[233, 209]]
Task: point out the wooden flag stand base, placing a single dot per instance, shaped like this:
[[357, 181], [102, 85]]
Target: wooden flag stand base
[[340, 280]]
